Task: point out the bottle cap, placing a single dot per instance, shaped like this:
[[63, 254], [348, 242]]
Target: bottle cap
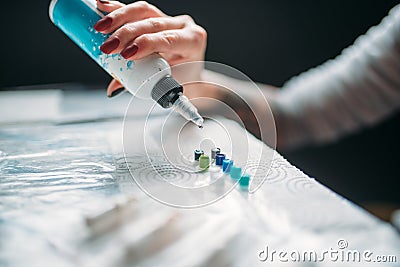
[[236, 172], [204, 162], [214, 152], [226, 165], [219, 158], [166, 91], [244, 180], [198, 153]]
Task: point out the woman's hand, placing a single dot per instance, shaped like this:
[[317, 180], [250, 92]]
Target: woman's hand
[[140, 29]]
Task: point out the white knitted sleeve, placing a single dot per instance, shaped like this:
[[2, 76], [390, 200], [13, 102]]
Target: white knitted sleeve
[[357, 89]]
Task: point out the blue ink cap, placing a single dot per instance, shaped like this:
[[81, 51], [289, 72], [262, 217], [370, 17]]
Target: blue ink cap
[[226, 165], [219, 158]]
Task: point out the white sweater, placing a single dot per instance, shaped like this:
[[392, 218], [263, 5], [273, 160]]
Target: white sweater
[[357, 89]]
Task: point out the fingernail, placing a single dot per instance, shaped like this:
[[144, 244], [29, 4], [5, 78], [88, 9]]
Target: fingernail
[[117, 92], [129, 51], [104, 1], [103, 24], [110, 45]]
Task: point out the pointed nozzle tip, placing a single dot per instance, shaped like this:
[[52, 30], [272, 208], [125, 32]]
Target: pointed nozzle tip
[[199, 122]]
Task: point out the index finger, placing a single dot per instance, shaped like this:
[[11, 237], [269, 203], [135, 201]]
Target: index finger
[[109, 6], [129, 13]]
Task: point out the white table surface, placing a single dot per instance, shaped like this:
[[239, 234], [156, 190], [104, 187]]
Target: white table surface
[[56, 172]]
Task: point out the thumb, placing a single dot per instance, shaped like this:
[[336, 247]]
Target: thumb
[[114, 85], [109, 6]]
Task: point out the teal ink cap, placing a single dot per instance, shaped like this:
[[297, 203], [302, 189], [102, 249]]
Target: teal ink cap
[[197, 154], [244, 180], [226, 165], [236, 172]]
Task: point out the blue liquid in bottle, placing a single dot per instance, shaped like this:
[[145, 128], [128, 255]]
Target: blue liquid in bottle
[[76, 19]]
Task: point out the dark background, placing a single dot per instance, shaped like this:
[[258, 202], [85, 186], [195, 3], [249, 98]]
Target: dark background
[[270, 41]]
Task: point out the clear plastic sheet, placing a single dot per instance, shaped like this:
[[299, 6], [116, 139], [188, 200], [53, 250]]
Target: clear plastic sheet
[[51, 176]]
